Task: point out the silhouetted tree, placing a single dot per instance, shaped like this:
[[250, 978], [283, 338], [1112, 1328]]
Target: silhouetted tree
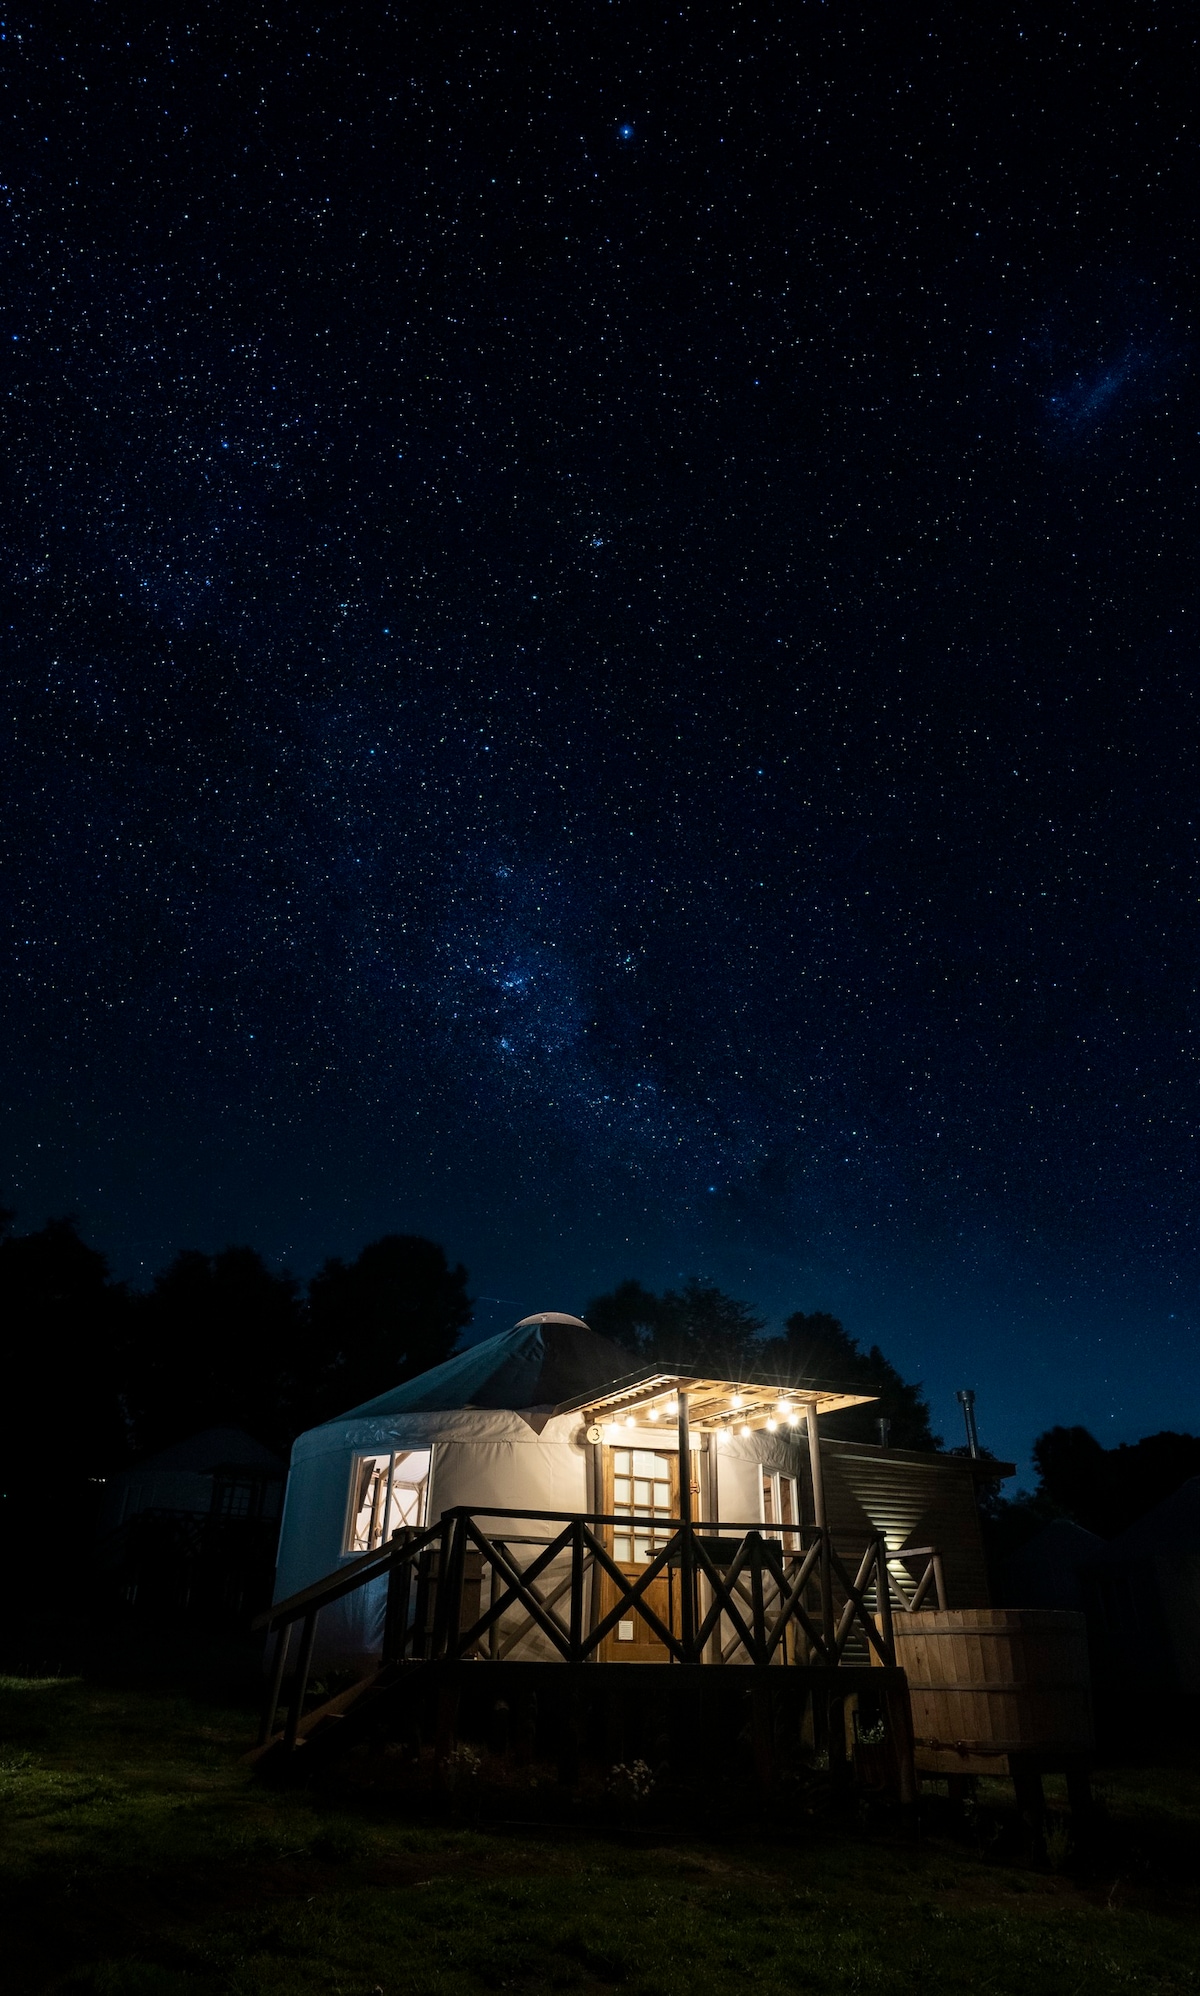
[[818, 1346], [216, 1343], [700, 1326], [694, 1329], [1107, 1490], [700, 1329], [62, 1421], [629, 1315], [393, 1312]]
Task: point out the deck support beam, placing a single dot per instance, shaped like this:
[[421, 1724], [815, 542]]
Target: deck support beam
[[687, 1578]]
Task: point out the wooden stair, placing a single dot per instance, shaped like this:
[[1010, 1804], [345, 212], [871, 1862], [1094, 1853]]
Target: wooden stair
[[332, 1709]]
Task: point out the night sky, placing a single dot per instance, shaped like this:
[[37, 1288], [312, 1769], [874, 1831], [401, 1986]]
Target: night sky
[[600, 661]]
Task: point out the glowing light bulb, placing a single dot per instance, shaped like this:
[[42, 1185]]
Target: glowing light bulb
[[793, 1420], [629, 1421], [745, 1428], [672, 1407], [771, 1425], [614, 1432], [653, 1414], [783, 1407], [736, 1400]]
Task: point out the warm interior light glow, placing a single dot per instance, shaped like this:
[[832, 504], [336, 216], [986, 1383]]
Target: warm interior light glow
[[613, 1432], [793, 1420], [653, 1414], [736, 1400], [783, 1407], [629, 1421], [771, 1425], [672, 1408], [745, 1428]]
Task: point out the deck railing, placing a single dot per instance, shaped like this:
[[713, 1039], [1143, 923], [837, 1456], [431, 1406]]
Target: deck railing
[[734, 1592]]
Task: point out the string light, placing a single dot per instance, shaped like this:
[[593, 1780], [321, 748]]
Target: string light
[[771, 1425], [672, 1407], [745, 1428], [736, 1400], [629, 1421], [783, 1407], [653, 1414]]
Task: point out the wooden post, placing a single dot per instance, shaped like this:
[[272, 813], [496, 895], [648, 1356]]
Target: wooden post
[[300, 1688], [897, 1716], [445, 1723], [439, 1635], [939, 1579], [452, 1582], [576, 1615], [395, 1619], [758, 1606], [267, 1724], [762, 1729], [687, 1590], [1031, 1801], [883, 1595], [828, 1627], [596, 1506]]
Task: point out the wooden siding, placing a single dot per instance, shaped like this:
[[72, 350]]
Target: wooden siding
[[914, 1499]]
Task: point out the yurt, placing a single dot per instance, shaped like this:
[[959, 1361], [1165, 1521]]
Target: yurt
[[478, 1430]]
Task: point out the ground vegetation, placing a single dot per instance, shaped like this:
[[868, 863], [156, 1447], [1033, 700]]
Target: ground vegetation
[[140, 1856]]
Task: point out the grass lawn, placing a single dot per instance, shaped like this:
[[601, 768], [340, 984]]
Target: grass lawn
[[139, 1855]]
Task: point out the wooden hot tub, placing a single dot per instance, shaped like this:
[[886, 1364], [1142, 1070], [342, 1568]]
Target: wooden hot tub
[[994, 1685]]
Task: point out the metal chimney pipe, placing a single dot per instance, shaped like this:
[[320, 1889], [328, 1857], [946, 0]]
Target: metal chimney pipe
[[966, 1400]]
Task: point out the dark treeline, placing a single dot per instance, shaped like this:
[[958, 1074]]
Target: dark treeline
[[698, 1328], [1104, 1489], [109, 1373], [98, 1374]]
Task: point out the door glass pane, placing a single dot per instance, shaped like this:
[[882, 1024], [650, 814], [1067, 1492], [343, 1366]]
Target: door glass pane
[[410, 1485], [643, 1491]]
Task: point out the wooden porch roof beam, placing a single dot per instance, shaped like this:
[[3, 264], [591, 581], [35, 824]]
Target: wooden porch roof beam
[[715, 1404]]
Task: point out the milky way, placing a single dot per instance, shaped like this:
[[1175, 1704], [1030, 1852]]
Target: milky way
[[600, 663]]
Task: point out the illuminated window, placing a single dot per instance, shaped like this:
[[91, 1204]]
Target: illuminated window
[[386, 1493], [781, 1506]]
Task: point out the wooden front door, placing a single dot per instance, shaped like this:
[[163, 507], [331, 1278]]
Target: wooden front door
[[641, 1484]]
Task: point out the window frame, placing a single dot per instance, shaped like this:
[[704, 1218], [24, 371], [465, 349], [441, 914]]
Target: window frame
[[786, 1530], [393, 1456]]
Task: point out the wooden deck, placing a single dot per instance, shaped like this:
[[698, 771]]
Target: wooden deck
[[780, 1618]]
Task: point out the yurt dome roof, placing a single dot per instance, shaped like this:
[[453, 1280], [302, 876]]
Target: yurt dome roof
[[543, 1360]]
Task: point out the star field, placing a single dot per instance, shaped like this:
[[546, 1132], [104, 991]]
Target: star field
[[600, 661]]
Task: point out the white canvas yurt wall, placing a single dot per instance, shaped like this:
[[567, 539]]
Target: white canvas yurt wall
[[485, 1419]]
